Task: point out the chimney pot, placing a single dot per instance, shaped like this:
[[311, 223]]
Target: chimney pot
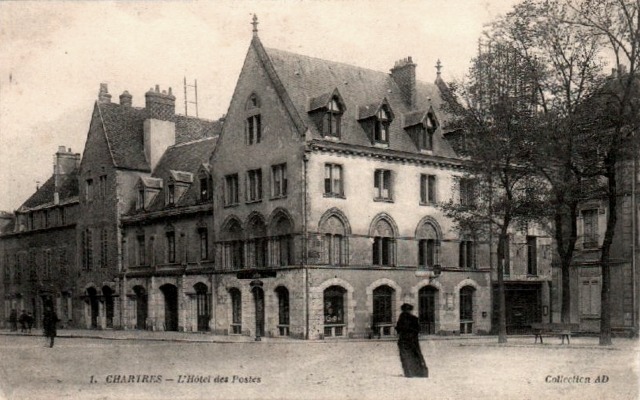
[[125, 99], [158, 88], [103, 94], [404, 75], [61, 149]]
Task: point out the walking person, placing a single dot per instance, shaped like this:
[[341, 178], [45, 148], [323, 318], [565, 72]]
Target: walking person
[[49, 321], [29, 322], [13, 320], [23, 321], [408, 328]]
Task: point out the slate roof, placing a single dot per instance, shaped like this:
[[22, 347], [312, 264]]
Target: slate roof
[[305, 78], [124, 130], [180, 158], [44, 195]]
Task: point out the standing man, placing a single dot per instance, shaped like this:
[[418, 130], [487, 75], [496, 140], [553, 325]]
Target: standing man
[[13, 320], [411, 357], [49, 321]]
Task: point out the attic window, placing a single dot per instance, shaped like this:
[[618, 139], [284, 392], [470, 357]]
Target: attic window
[[332, 118], [205, 192], [253, 102], [253, 123], [381, 126], [171, 194], [141, 198]]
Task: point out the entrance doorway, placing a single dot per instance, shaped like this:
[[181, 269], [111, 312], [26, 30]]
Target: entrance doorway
[[202, 306], [170, 293], [427, 310], [466, 309], [258, 299], [108, 303], [141, 307], [93, 306]]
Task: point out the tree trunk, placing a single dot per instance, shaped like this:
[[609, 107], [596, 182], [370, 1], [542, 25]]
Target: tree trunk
[[605, 300], [502, 317]]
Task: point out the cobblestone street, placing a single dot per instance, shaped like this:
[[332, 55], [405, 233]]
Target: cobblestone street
[[111, 365]]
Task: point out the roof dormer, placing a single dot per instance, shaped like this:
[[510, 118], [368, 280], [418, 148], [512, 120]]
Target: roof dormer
[[375, 120], [205, 183], [177, 184], [147, 189], [326, 111], [421, 126]]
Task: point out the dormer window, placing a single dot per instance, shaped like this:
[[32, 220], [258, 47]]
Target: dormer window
[[421, 125], [253, 125], [141, 198], [332, 119], [204, 189], [381, 126], [171, 194]]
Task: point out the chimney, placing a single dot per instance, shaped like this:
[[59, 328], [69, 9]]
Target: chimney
[[125, 99], [404, 74], [65, 163], [160, 106], [159, 127], [103, 94]]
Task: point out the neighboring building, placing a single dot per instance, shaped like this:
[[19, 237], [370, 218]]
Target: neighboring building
[[167, 243], [328, 221], [38, 252], [123, 147]]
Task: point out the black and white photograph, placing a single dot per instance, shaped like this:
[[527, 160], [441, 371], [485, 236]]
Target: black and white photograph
[[330, 199]]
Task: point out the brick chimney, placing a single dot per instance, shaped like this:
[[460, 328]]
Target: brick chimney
[[125, 99], [159, 127], [66, 162], [103, 94], [404, 74], [160, 106]]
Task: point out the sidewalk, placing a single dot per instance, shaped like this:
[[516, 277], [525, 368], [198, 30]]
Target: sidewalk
[[206, 337]]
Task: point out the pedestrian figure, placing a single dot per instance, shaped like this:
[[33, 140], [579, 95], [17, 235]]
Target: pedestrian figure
[[49, 321], [29, 321], [23, 321], [411, 357], [13, 320]]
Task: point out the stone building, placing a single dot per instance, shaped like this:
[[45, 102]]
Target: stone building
[[124, 146], [37, 250]]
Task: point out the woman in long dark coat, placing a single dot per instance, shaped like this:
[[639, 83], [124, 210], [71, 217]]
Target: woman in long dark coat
[[49, 321], [411, 357]]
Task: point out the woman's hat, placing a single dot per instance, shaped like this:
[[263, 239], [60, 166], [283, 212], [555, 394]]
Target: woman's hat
[[406, 307]]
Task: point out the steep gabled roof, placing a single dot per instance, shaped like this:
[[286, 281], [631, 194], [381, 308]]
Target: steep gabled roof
[[68, 191], [305, 78], [125, 133]]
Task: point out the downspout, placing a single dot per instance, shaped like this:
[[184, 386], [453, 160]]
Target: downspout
[[634, 237], [305, 160]]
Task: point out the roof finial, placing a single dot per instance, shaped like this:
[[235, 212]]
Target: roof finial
[[438, 66], [255, 25]]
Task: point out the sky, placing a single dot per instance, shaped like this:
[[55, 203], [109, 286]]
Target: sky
[[54, 55]]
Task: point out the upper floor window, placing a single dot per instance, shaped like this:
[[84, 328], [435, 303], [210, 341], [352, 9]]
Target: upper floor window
[[103, 186], [88, 190], [205, 191], [427, 189], [141, 253], [467, 191], [204, 243], [333, 180], [104, 247], [532, 255], [88, 249], [382, 184], [279, 180], [425, 133], [254, 185], [141, 199], [590, 229], [231, 188], [467, 254], [381, 126], [171, 247], [171, 194], [253, 125], [332, 119]]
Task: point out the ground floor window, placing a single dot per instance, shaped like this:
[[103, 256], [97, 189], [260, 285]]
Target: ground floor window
[[334, 311], [383, 310]]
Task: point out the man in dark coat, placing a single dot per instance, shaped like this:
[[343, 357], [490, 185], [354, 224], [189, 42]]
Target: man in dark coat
[[49, 321], [23, 321], [13, 320], [411, 357]]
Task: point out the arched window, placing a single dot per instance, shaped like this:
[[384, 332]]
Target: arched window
[[281, 241], [383, 247], [334, 311], [283, 310], [236, 311], [428, 245], [232, 246], [383, 310], [335, 249], [257, 243]]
